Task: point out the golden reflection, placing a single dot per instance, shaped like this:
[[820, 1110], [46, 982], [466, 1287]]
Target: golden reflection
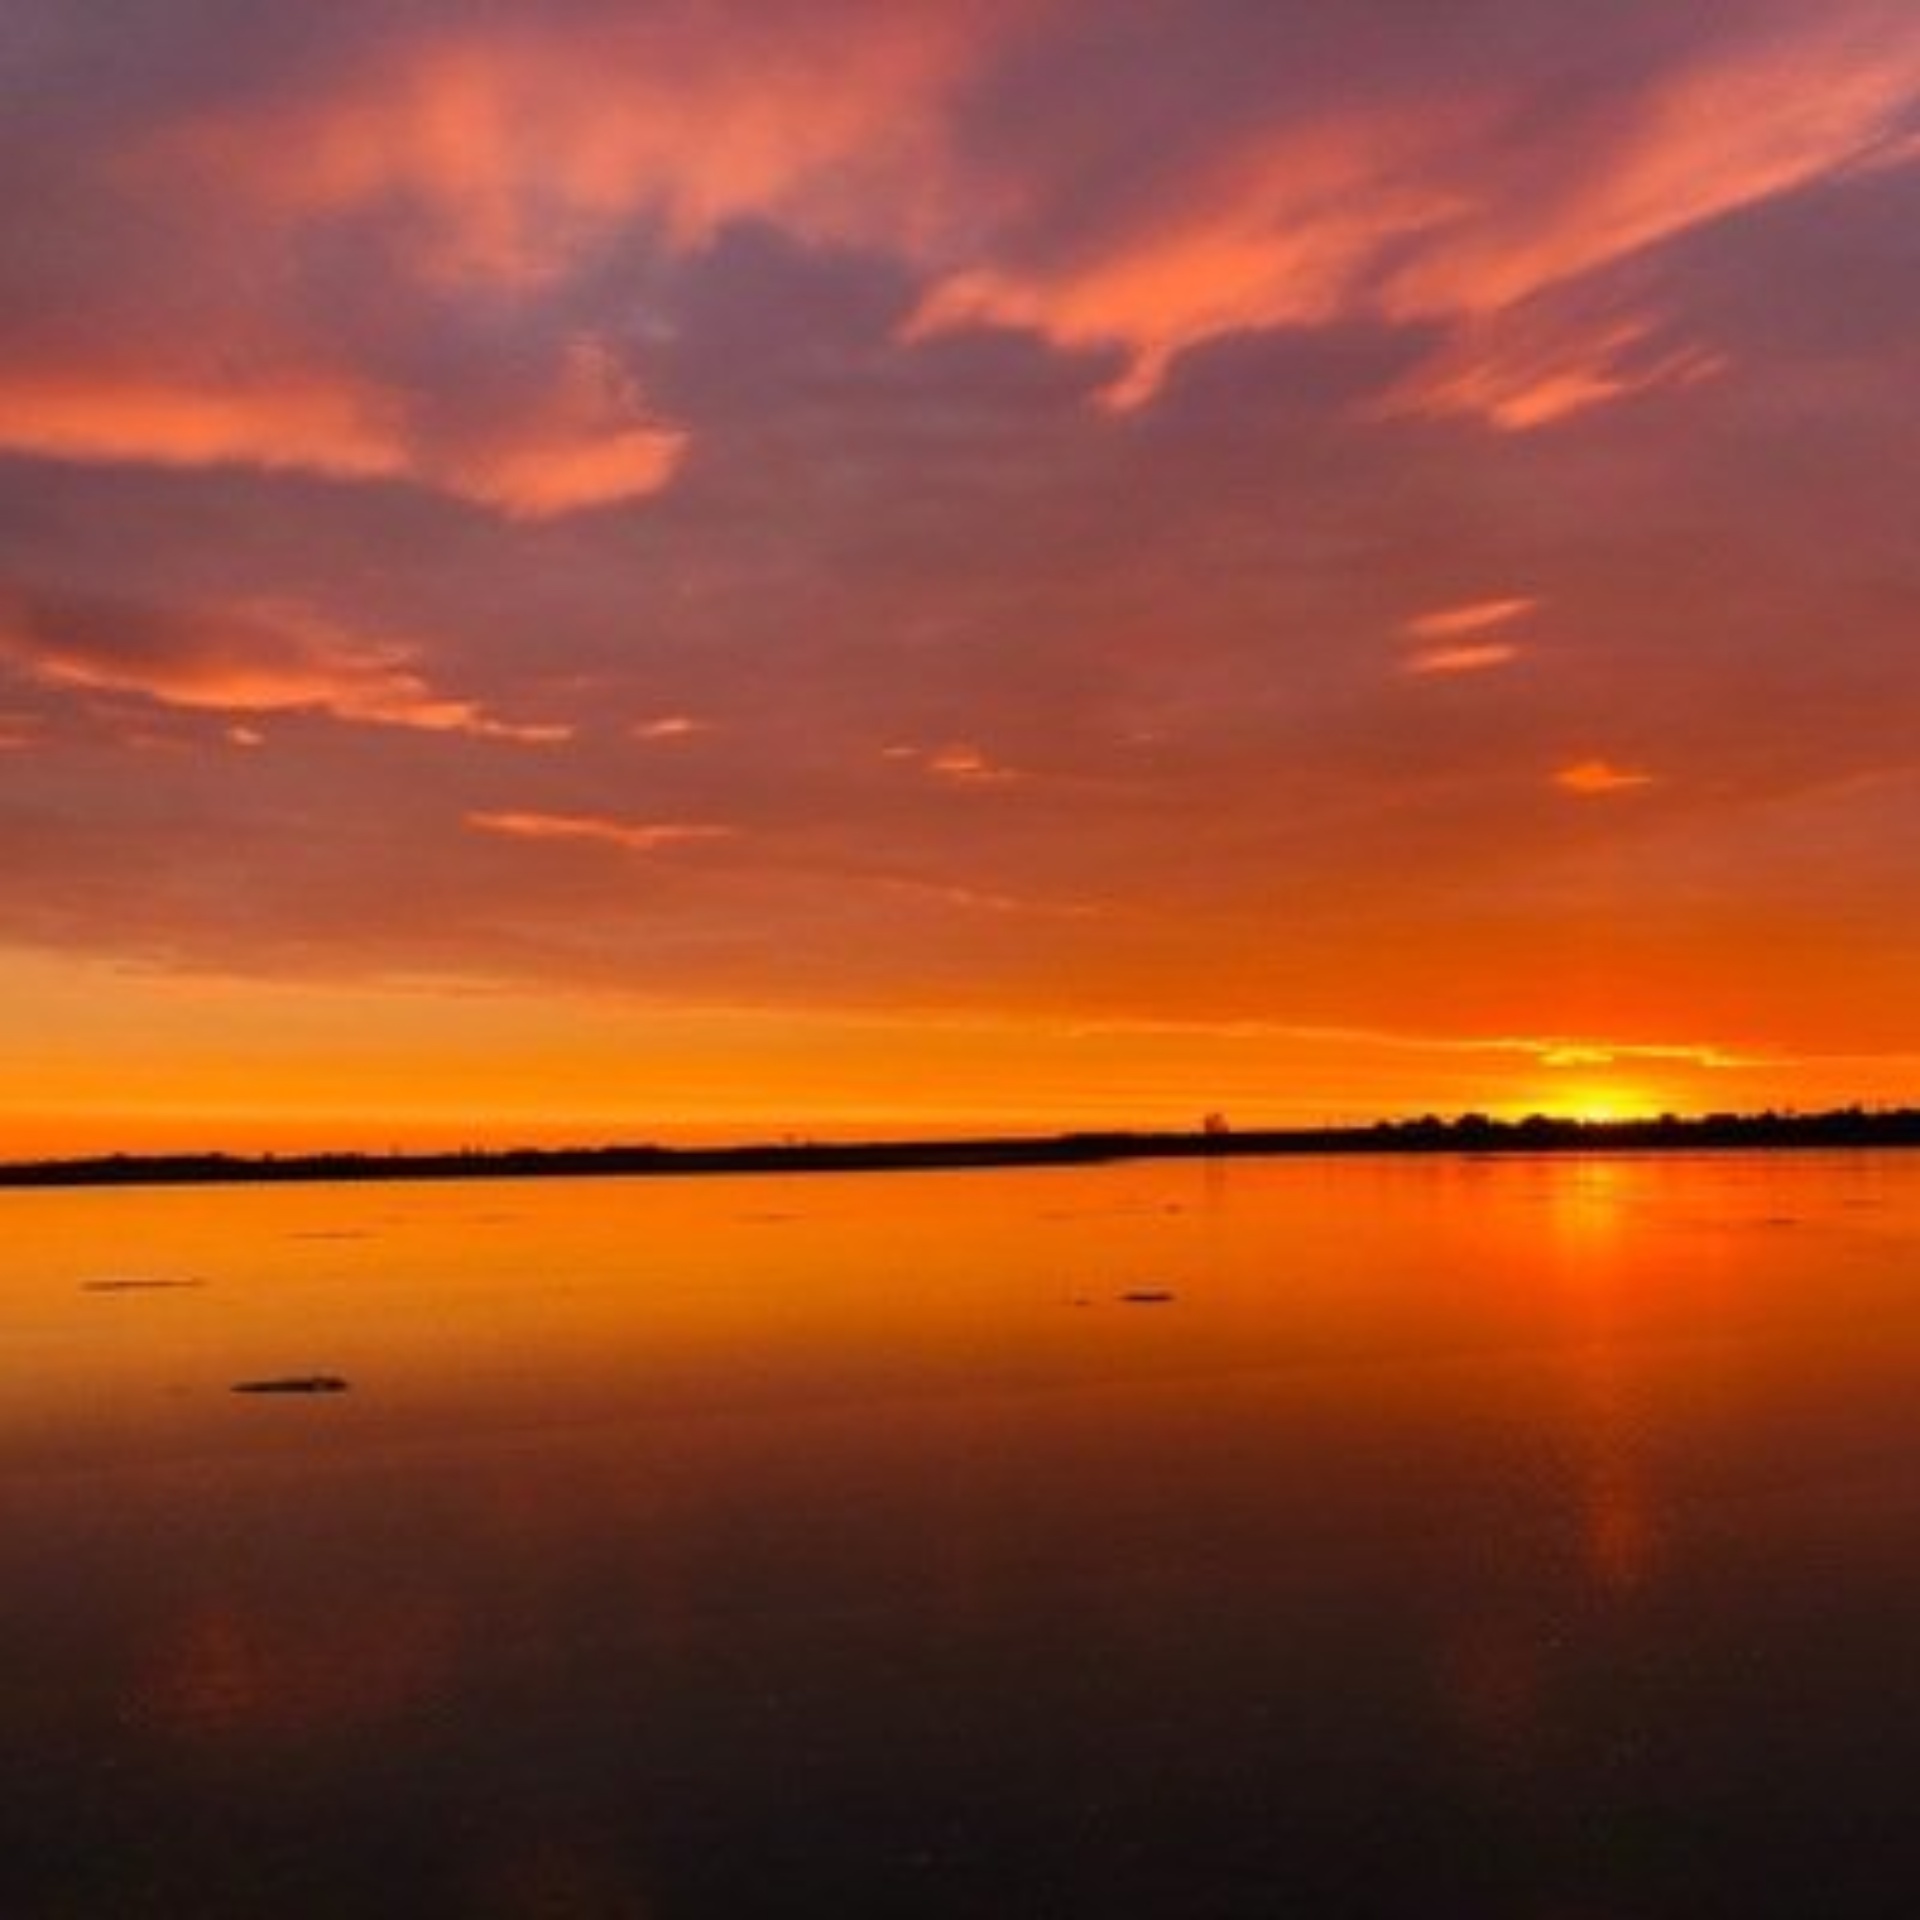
[[1593, 1226]]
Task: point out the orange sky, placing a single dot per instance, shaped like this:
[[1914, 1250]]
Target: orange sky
[[650, 569]]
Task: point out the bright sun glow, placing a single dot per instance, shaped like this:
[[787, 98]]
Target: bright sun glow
[[1598, 1102]]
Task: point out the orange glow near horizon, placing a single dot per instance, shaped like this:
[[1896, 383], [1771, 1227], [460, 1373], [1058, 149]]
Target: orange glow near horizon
[[130, 1063]]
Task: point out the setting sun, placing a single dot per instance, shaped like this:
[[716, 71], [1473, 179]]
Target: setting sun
[[1598, 1103]]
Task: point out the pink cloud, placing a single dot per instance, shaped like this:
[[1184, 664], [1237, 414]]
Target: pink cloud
[[526, 146], [584, 440], [1533, 368], [1461, 211], [1280, 231], [268, 657], [1737, 124], [308, 421]]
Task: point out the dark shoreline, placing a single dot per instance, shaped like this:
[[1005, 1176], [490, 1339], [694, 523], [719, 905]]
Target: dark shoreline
[[1469, 1134]]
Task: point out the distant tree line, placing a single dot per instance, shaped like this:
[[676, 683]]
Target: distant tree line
[[1853, 1126]]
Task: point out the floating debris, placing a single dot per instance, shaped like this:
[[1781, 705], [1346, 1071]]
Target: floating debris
[[1147, 1297], [294, 1383], [135, 1284]]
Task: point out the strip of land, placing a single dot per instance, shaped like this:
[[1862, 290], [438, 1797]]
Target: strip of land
[[1469, 1133]]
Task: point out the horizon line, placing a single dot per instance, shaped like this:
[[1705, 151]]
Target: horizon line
[[1469, 1132]]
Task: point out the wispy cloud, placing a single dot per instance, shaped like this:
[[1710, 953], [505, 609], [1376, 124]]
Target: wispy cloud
[[1550, 1050], [260, 657], [967, 765], [959, 763], [1477, 616], [580, 438], [1475, 657], [1519, 372], [632, 836], [1468, 211], [670, 726]]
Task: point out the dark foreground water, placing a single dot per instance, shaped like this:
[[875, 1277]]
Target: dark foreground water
[[1523, 1538]]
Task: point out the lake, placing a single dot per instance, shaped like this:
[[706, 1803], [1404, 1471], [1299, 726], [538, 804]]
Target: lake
[[1439, 1537]]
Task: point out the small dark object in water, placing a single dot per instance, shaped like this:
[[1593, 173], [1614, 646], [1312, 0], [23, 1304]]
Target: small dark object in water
[[137, 1286], [295, 1383], [1147, 1297]]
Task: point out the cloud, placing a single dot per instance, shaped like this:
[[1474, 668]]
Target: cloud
[[1783, 98], [1552, 1050], [669, 726], [1534, 367], [442, 250], [1592, 778], [1451, 623], [1456, 202], [633, 836], [522, 146], [337, 427], [267, 657], [1281, 231], [582, 438], [958, 762], [1474, 657]]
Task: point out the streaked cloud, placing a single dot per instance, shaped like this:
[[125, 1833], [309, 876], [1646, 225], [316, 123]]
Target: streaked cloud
[[252, 658], [1465, 657], [1520, 372], [583, 439], [305, 421], [1458, 206], [1552, 1050], [632, 836], [1477, 616], [1280, 229]]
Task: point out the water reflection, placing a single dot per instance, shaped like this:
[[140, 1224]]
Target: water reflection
[[1506, 1538], [1592, 1249]]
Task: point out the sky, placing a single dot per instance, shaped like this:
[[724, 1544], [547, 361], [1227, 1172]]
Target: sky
[[578, 570]]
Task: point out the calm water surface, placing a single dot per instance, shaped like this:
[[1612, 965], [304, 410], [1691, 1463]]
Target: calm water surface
[[1514, 1538]]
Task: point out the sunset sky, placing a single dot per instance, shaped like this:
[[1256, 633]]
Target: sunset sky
[[651, 567]]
